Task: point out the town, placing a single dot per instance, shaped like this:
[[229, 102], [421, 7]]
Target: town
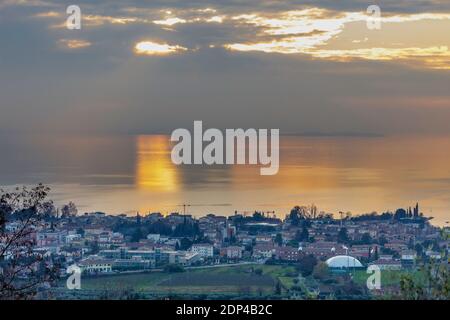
[[102, 245]]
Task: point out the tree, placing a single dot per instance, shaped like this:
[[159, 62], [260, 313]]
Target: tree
[[435, 287], [313, 211], [22, 270], [94, 247], [375, 254], [50, 212], [69, 210], [306, 265], [173, 268], [400, 214], [411, 243], [343, 235], [258, 216], [366, 238], [185, 244], [303, 235], [186, 229], [277, 290], [137, 235], [321, 271], [419, 249], [81, 231], [382, 240], [294, 216], [279, 239]]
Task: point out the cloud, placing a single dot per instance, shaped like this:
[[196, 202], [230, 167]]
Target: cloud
[[313, 29], [426, 102], [74, 43], [309, 30], [153, 48], [25, 3], [170, 21], [252, 63], [48, 14], [97, 20], [432, 57]]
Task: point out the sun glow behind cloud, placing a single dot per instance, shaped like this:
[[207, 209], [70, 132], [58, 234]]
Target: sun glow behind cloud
[[238, 56], [169, 21], [293, 32], [310, 32], [153, 48], [314, 31]]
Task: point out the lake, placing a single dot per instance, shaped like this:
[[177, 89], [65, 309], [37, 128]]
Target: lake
[[126, 174]]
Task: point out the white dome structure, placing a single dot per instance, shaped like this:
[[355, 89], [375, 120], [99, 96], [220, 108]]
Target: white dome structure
[[340, 262]]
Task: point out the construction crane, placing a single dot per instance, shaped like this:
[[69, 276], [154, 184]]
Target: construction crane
[[184, 205]]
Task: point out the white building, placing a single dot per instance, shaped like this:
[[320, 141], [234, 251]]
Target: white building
[[95, 264], [186, 258], [12, 226], [50, 238], [205, 250], [342, 262], [409, 255], [263, 251], [154, 237], [73, 237]]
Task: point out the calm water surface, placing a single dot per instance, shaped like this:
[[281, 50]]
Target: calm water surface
[[125, 174]]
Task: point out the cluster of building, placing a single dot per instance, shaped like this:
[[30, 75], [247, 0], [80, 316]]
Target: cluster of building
[[90, 241]]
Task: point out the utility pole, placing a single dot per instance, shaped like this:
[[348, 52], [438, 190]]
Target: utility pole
[[184, 207], [342, 214]]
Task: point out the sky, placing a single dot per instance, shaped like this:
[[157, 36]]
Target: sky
[[142, 67]]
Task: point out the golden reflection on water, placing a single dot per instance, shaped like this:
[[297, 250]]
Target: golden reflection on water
[[154, 168], [337, 174], [118, 174]]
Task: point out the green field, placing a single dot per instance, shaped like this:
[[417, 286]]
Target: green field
[[388, 277], [218, 282], [229, 280]]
